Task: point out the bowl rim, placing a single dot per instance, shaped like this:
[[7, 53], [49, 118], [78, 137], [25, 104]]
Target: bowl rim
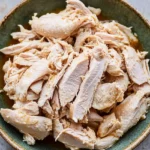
[[137, 141]]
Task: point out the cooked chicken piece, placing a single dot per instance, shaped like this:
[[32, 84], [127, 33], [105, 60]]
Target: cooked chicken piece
[[29, 139], [36, 126], [114, 68], [31, 96], [94, 116], [33, 74], [115, 62], [109, 125], [64, 23], [134, 66], [47, 110], [19, 104], [123, 82], [24, 46], [112, 28], [49, 87], [84, 99], [30, 108], [56, 104], [58, 28], [11, 78], [7, 66], [74, 138], [25, 59], [111, 39], [95, 11], [132, 38], [71, 81], [77, 4], [130, 111], [107, 95], [23, 35], [55, 56], [80, 40], [106, 142], [37, 86]]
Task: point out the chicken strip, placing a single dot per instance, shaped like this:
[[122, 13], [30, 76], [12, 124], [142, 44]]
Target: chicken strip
[[71, 81], [33, 74], [84, 99], [23, 35], [49, 87], [134, 66], [25, 59], [36, 126], [24, 46]]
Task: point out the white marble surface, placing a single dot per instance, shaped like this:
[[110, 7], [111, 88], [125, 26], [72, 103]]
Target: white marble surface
[[142, 5]]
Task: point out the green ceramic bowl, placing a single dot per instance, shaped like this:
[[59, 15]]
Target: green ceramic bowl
[[112, 9]]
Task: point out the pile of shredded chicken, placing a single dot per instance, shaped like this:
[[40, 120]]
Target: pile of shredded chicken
[[76, 78]]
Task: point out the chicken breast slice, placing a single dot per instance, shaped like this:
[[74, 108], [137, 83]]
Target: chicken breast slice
[[36, 126], [74, 137], [130, 111], [109, 125], [31, 75], [71, 81], [25, 59], [132, 38], [113, 29], [37, 86], [29, 108], [107, 95], [23, 35], [49, 87], [134, 66], [84, 99], [24, 46], [80, 40]]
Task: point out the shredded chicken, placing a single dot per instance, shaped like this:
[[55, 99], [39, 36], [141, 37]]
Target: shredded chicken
[[76, 78]]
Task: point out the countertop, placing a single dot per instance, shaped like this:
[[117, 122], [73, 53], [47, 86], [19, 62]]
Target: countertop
[[143, 6]]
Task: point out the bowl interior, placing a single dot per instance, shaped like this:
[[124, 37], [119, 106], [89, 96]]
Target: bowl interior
[[112, 9]]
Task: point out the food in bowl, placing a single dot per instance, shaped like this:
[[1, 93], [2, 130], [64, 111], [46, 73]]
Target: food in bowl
[[77, 78]]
